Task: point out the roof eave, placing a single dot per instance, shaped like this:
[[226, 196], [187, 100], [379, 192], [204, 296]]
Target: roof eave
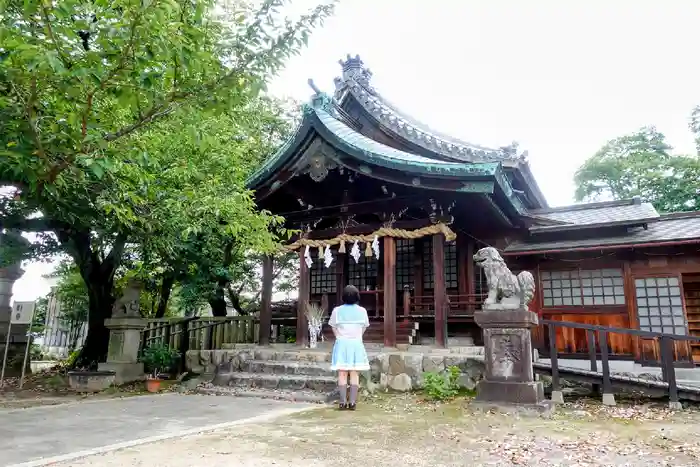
[[579, 227], [615, 246]]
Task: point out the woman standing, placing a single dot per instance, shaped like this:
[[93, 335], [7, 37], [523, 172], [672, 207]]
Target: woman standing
[[349, 322]]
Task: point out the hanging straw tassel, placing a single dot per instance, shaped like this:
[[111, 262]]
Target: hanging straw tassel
[[368, 249], [341, 248], [320, 253]]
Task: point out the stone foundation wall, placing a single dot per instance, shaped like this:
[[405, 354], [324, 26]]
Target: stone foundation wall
[[398, 371], [403, 371]]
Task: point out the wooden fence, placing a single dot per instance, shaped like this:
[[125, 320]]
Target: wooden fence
[[209, 333]]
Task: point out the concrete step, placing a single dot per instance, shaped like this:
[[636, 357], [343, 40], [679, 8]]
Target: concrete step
[[280, 367], [306, 395], [325, 384]]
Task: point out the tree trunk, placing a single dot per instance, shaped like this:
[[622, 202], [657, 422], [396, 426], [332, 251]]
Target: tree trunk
[[166, 288], [97, 340], [218, 302], [98, 274]]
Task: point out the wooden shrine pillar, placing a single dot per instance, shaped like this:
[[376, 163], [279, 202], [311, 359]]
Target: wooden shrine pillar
[[389, 292], [304, 296], [266, 301], [341, 277], [439, 290], [465, 265]]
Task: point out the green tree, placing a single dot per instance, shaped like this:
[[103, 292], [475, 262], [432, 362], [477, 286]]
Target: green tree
[[641, 164], [81, 84], [205, 259]]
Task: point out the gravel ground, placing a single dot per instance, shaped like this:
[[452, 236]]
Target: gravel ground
[[404, 431]]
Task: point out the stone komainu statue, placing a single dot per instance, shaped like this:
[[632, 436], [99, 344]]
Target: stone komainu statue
[[128, 304], [506, 290]]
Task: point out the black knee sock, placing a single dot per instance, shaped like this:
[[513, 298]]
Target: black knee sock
[[343, 390], [353, 393]]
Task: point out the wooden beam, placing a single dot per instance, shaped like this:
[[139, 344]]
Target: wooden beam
[[389, 291], [266, 301], [341, 276], [365, 229], [439, 290], [352, 208], [304, 296]]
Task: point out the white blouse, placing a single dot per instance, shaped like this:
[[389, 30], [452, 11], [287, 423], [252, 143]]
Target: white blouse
[[357, 323]]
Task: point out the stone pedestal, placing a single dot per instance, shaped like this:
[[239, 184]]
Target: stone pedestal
[[123, 352], [509, 375]]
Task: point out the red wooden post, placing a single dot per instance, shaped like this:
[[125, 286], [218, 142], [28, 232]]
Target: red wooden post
[[439, 290], [266, 301], [304, 296], [389, 292], [406, 303]]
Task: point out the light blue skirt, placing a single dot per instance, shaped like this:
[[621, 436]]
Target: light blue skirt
[[349, 355]]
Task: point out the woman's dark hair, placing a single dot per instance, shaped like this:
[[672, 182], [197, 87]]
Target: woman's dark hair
[[351, 296]]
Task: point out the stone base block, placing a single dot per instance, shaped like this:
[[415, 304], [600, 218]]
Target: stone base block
[[609, 399], [510, 392], [124, 372], [543, 408], [90, 381], [557, 397]]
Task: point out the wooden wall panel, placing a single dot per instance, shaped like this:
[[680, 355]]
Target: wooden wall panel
[[573, 341]]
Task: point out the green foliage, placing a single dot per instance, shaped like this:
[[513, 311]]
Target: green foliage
[[127, 128], [39, 322], [71, 292], [158, 358], [289, 334], [641, 164], [35, 353], [72, 359], [442, 386]]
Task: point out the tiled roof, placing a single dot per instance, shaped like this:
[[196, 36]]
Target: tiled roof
[[322, 116], [360, 141], [594, 214], [669, 228], [356, 81]]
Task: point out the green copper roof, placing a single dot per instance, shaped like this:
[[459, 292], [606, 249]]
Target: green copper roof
[[319, 117], [373, 152]]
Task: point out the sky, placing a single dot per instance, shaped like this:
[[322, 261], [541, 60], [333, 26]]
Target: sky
[[559, 77]]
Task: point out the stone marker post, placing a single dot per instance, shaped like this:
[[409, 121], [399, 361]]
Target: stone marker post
[[18, 332], [125, 328], [506, 321]]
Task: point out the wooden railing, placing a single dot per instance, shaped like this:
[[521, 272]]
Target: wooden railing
[[424, 305], [670, 346], [209, 333]]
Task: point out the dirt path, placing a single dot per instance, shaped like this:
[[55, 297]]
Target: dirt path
[[397, 432]]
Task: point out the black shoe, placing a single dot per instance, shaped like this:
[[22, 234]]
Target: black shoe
[[342, 406], [352, 406]]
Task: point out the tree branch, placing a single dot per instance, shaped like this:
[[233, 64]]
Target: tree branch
[[49, 32]]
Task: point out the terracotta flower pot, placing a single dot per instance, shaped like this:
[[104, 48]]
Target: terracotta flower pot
[[153, 385]]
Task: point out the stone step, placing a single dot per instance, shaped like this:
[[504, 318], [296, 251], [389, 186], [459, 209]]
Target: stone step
[[304, 395], [325, 384], [280, 367], [302, 355]]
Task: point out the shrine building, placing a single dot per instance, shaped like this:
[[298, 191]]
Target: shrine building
[[384, 202]]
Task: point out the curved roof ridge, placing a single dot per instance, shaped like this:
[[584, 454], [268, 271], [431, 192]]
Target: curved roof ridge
[[356, 79]]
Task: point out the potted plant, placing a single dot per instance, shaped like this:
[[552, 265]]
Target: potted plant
[[158, 359]]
